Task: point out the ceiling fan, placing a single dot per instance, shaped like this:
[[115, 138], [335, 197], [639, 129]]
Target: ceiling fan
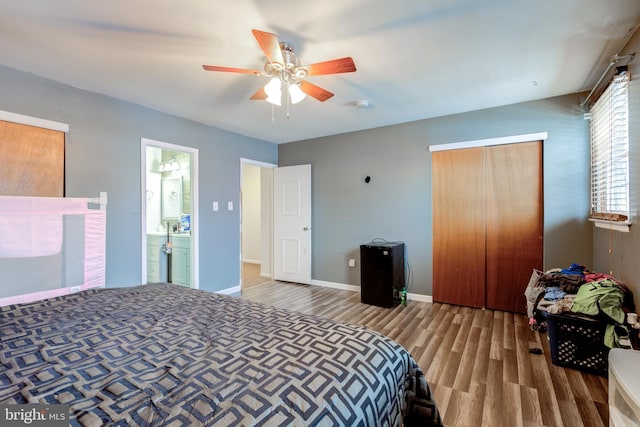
[[285, 70]]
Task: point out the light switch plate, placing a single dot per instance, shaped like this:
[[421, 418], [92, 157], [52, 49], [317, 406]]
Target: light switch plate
[[215, 206], [230, 206]]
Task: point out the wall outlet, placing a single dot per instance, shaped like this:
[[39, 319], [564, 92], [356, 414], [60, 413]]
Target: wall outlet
[[230, 206], [352, 262]]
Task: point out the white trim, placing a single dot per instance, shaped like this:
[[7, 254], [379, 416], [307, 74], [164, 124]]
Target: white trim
[[622, 226], [257, 163], [515, 139], [420, 297], [195, 194], [229, 291], [333, 285], [355, 288], [33, 121], [252, 261]]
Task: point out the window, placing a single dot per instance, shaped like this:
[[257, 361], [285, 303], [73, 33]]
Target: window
[[610, 152]]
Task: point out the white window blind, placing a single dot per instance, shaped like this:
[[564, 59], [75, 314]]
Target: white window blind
[[610, 152]]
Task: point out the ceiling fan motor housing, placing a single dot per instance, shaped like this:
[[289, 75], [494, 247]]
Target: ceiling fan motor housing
[[290, 70]]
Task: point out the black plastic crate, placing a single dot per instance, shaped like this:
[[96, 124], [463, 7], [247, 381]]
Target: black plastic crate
[[577, 342]]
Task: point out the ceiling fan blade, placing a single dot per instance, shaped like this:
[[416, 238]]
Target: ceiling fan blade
[[270, 45], [230, 69], [259, 95], [335, 66], [315, 91]]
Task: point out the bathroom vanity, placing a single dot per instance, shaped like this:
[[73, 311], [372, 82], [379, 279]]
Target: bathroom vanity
[[157, 258]]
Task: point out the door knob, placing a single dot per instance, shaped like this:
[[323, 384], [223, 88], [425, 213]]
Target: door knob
[[306, 228]]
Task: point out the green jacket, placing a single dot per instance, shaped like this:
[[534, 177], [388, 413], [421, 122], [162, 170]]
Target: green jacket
[[604, 296]]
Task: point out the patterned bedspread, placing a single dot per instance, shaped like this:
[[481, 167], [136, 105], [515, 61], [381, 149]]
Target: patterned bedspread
[[169, 355]]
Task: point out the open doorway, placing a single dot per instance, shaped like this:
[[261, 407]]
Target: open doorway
[[256, 194], [169, 213]]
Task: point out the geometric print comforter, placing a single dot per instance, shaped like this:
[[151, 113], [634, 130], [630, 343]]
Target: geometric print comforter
[[166, 355]]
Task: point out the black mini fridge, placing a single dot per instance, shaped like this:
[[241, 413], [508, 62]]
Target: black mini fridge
[[381, 273]]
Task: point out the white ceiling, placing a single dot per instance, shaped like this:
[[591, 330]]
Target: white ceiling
[[416, 59]]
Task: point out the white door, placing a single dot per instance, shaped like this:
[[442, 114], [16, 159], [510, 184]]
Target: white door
[[292, 224]]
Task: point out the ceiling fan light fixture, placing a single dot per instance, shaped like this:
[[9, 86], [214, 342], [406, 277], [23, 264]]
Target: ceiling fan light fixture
[[274, 91], [275, 100], [295, 93], [273, 87]]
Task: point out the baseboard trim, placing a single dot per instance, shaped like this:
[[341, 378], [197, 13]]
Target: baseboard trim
[[265, 275], [355, 288], [229, 291], [333, 285], [419, 297], [252, 261]]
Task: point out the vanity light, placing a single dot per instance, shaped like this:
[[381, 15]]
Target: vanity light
[[171, 166]]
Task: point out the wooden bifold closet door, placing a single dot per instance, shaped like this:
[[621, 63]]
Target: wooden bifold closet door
[[487, 224]]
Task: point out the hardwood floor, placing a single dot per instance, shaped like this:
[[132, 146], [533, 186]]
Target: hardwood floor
[[251, 275], [476, 361]]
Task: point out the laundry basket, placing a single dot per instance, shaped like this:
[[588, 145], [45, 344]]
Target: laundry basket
[[577, 342]]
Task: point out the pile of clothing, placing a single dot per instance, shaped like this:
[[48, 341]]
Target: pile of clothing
[[577, 290]]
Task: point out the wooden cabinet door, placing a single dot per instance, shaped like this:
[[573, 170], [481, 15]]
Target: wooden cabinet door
[[514, 222], [179, 266], [458, 226]]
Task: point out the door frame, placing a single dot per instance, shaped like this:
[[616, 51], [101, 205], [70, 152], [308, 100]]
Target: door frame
[[195, 213], [268, 223]]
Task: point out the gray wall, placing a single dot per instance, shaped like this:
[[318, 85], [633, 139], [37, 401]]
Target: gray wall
[[396, 204], [103, 154], [623, 262]]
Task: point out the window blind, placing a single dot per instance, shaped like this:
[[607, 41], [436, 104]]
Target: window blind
[[610, 152]]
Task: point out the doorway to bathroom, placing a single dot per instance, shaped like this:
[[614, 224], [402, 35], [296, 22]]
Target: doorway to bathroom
[[169, 213]]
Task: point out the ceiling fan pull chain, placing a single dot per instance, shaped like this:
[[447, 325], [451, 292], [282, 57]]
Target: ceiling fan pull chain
[[273, 113]]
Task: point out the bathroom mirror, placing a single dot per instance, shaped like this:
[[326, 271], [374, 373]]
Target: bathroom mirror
[[171, 198]]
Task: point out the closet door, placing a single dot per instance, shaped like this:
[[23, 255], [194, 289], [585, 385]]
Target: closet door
[[31, 161], [514, 222], [458, 178]]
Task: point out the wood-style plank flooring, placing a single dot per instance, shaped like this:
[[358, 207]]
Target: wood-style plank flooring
[[476, 361], [251, 275]]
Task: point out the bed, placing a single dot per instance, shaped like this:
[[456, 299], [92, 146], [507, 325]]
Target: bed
[[167, 355], [164, 354]]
